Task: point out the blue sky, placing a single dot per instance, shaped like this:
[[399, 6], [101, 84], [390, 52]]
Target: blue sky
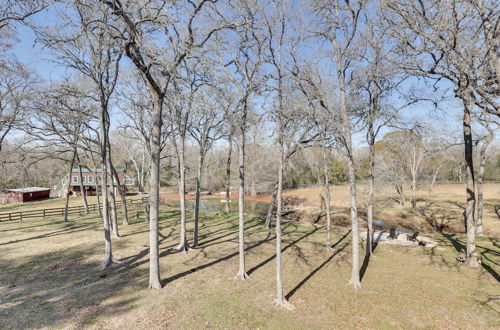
[[446, 119]]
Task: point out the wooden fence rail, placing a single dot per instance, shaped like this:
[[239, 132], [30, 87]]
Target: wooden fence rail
[[30, 214]]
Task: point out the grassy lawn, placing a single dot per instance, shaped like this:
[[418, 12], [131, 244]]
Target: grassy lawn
[[50, 277]]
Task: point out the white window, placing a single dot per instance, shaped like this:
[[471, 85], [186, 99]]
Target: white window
[[84, 179], [91, 179], [74, 179]]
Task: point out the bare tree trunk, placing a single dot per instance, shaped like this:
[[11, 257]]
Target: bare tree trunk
[[271, 207], [228, 174], [196, 214], [413, 190], [142, 177], [355, 281], [327, 202], [82, 188], [371, 187], [471, 198], [114, 221], [242, 274], [253, 191], [183, 244], [480, 184], [154, 194], [400, 192], [434, 177], [112, 194], [97, 190], [280, 297], [121, 191], [104, 129], [69, 187]]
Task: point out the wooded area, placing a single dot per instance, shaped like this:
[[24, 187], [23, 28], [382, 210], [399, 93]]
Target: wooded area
[[252, 97]]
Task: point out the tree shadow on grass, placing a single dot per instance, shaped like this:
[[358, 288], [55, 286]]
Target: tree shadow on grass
[[317, 269], [34, 226], [460, 246], [217, 261], [138, 259], [366, 260], [58, 288], [253, 269], [71, 227], [226, 233]]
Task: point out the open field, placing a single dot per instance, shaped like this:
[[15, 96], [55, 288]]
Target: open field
[[50, 277], [447, 202]]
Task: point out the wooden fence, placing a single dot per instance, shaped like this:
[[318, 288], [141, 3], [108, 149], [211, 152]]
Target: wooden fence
[[22, 215]]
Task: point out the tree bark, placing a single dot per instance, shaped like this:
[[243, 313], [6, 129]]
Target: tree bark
[[121, 191], [104, 130], [280, 297], [371, 187], [112, 195], [183, 244], [97, 190], [271, 207], [242, 274], [355, 281], [471, 198], [480, 184], [326, 188], [400, 191], [429, 193], [154, 193], [228, 174], [196, 215], [414, 188], [82, 188], [69, 187]]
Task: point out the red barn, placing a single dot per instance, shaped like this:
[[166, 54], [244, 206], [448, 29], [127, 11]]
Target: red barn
[[22, 195]]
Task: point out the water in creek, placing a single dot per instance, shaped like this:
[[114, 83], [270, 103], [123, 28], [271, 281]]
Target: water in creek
[[215, 205]]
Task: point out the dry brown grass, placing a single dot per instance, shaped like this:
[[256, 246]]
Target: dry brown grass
[[445, 211], [49, 278]]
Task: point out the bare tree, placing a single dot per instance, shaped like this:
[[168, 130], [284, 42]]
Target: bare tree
[[228, 168], [158, 66], [15, 86], [62, 115], [18, 11], [85, 46], [277, 29], [458, 41], [338, 23], [378, 79], [488, 123], [82, 188], [206, 120], [243, 70], [179, 108]]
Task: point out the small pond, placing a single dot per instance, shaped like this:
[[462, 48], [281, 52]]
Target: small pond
[[215, 205]]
